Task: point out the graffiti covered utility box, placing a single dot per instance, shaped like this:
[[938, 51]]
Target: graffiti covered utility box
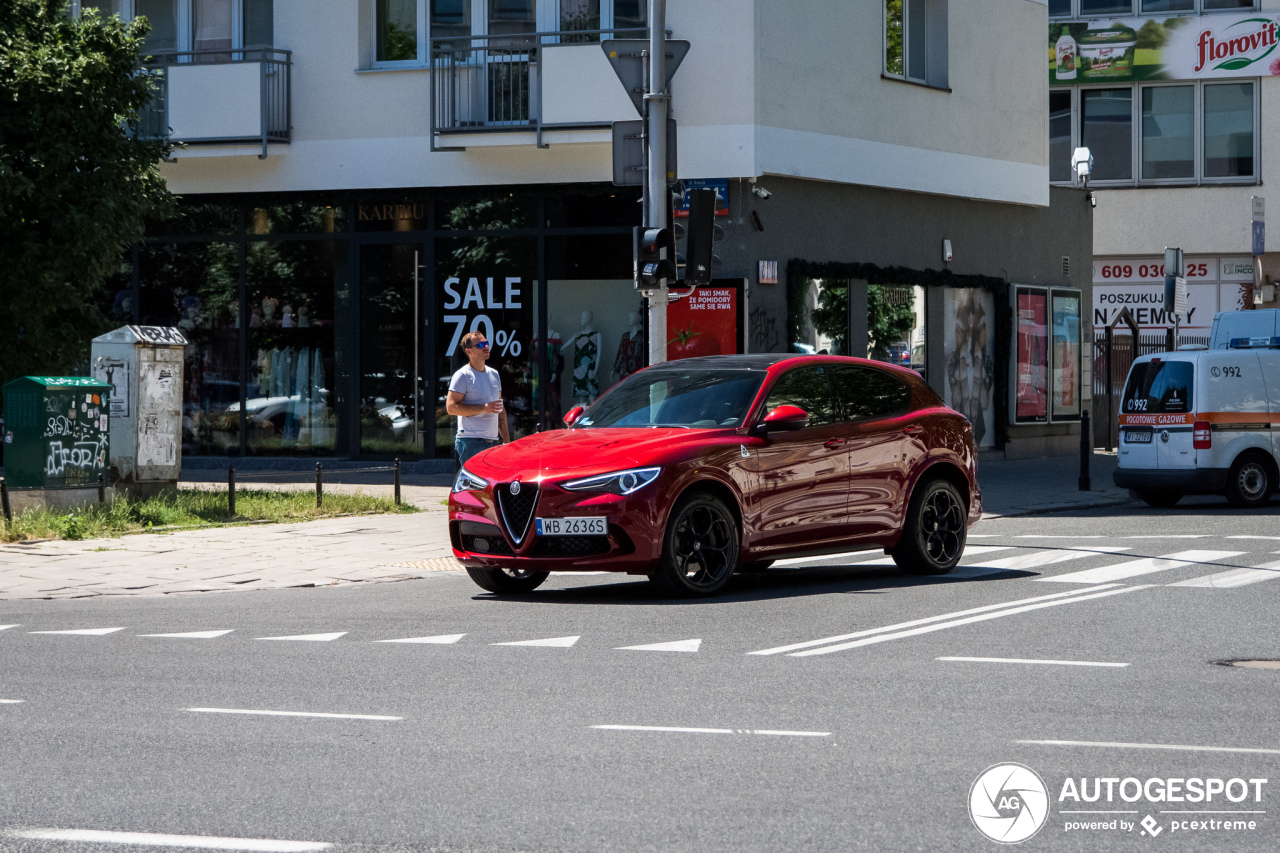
[[143, 365], [56, 432]]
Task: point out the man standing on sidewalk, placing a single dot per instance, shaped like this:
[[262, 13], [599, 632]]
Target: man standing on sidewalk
[[475, 398]]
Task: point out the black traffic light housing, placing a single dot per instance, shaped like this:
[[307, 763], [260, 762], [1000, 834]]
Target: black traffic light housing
[[703, 232], [654, 254]]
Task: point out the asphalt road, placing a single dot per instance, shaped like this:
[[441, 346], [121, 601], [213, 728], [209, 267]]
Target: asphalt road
[[848, 734]]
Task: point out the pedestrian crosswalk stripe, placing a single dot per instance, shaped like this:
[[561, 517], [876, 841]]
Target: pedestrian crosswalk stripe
[[554, 642], [7, 627], [192, 635], [443, 639], [847, 558], [1144, 566], [308, 638], [84, 632], [1235, 577], [155, 839], [676, 646], [1047, 558]]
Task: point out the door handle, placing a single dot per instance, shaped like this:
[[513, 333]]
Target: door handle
[[914, 429], [833, 443]]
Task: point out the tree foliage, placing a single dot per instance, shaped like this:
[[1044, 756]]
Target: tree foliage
[[75, 183]]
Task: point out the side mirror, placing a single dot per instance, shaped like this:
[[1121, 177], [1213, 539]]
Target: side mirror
[[571, 416], [784, 419]]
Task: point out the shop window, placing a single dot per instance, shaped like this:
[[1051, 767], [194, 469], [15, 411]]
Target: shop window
[[808, 388], [1228, 130], [396, 31], [290, 400], [1059, 8], [297, 218], [1168, 5], [1106, 7], [895, 325], [392, 404], [1060, 147], [1107, 131], [1215, 5], [915, 40], [194, 287], [1168, 132], [466, 211], [1065, 392], [969, 348], [1031, 389]]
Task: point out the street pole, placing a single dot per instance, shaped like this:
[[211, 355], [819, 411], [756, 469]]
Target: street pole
[[656, 106]]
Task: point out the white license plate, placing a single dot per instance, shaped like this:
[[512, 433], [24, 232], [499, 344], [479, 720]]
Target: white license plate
[[1137, 437], [580, 526]]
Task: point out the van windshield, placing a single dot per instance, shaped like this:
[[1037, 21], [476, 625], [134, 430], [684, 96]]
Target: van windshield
[[1158, 387]]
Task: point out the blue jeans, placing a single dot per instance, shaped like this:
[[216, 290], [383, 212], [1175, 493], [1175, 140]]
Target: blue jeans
[[468, 447]]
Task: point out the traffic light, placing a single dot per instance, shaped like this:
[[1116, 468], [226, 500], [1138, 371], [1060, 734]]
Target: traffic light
[[654, 253], [703, 232]]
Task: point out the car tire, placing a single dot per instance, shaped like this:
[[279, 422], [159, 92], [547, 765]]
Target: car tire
[[699, 548], [934, 534], [507, 581], [1250, 481], [1160, 500], [755, 567]]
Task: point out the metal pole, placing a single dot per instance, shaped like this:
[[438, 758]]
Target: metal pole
[[4, 501], [1109, 337], [416, 347], [231, 491], [657, 101], [102, 489], [319, 488], [1086, 451], [397, 481]]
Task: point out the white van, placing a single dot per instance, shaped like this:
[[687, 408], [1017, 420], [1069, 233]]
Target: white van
[[1229, 325], [1200, 422]]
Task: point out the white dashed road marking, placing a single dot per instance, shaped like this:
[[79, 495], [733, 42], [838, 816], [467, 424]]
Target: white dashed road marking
[[1030, 660], [1235, 577], [698, 731], [155, 839], [308, 638], [554, 642], [443, 639], [193, 635], [83, 632], [1169, 746], [1145, 566], [292, 714], [677, 646]]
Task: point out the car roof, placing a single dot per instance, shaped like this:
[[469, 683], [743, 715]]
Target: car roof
[[767, 361]]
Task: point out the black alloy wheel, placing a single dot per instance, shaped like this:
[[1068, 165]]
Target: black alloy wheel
[[507, 581], [700, 548], [934, 534], [1250, 482]]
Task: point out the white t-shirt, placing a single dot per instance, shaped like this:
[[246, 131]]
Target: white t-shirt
[[477, 388]]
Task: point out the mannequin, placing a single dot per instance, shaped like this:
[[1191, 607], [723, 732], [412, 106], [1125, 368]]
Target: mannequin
[[286, 321], [631, 350], [304, 317], [269, 306], [555, 364], [586, 362]]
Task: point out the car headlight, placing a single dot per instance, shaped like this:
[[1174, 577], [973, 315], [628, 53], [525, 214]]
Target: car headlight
[[468, 482], [616, 483]]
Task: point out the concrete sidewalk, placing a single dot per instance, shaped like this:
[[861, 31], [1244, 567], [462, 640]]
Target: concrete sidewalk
[[371, 548]]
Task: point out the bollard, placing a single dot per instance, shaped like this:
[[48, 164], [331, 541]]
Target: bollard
[[397, 482], [4, 501], [231, 491], [319, 488], [1086, 451], [102, 489]]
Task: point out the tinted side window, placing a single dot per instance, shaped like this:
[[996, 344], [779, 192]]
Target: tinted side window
[[1158, 387], [865, 392], [807, 388]]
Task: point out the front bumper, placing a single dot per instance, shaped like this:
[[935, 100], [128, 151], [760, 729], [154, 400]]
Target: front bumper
[[1190, 481], [481, 536]]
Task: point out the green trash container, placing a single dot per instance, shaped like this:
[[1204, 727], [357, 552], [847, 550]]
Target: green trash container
[[55, 432]]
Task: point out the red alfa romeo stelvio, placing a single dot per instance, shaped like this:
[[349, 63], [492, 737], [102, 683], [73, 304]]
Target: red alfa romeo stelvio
[[695, 469]]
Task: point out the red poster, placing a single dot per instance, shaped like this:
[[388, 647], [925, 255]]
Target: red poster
[[705, 323], [1033, 356]]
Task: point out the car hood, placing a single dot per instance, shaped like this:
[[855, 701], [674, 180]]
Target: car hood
[[586, 450]]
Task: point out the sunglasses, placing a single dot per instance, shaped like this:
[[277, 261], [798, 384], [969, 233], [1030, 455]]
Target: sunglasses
[[480, 345]]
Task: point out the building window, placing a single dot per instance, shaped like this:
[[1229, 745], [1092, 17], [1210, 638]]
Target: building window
[[163, 17], [211, 25], [396, 31], [1228, 130], [214, 26], [1106, 129], [915, 41], [1168, 132], [1059, 8], [1186, 133], [450, 18], [1168, 5], [1107, 8], [630, 13]]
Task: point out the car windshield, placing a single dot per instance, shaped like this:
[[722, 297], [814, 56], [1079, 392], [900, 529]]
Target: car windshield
[[1158, 387], [693, 399]]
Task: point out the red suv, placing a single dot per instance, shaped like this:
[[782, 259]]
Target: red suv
[[695, 469]]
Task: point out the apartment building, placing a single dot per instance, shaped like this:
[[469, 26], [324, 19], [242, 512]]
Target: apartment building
[[364, 181]]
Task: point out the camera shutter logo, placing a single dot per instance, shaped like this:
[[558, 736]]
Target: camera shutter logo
[[1009, 803]]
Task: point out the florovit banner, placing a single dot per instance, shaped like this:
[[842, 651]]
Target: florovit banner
[[1125, 50]]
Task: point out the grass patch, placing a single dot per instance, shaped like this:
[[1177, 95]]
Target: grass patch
[[188, 508]]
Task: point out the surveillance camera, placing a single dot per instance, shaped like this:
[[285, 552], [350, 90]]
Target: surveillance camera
[[761, 191]]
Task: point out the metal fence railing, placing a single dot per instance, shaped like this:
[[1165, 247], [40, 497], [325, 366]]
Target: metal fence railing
[[1111, 368], [494, 82], [275, 82]]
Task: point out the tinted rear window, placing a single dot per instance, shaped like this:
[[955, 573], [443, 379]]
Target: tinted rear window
[[1157, 388]]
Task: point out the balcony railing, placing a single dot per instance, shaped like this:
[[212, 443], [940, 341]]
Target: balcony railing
[[220, 97], [525, 81]]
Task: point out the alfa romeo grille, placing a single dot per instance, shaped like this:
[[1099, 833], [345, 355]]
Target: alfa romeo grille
[[517, 508]]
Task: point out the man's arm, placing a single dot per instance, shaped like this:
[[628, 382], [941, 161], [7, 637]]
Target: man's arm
[[502, 427], [453, 405]]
